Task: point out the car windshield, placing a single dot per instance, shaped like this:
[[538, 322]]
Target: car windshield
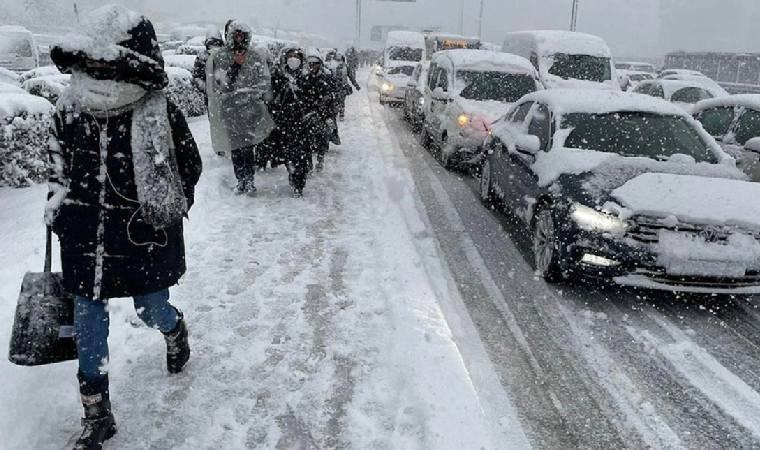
[[634, 134], [15, 45], [405, 70], [405, 54], [749, 126], [581, 67], [499, 86], [717, 121], [639, 77]]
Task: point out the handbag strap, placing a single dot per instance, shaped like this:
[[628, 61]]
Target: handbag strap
[[48, 250]]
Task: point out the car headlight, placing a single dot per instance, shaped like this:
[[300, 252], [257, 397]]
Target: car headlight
[[463, 120], [387, 87], [589, 219]]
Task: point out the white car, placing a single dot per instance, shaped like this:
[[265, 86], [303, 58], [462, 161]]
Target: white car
[[393, 83], [636, 66], [466, 91], [629, 79], [734, 121], [684, 93], [18, 49], [414, 100]]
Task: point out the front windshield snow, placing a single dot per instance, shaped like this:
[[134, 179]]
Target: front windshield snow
[[13, 45], [405, 54], [581, 67], [634, 134], [499, 86]]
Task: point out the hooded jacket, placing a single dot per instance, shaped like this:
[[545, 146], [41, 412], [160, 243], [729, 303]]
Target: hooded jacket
[[107, 248], [238, 94]]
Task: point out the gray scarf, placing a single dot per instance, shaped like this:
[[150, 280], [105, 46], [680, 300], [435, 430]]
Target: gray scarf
[[159, 185]]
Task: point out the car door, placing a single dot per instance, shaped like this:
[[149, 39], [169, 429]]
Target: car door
[[432, 82], [504, 144], [524, 180], [411, 89], [438, 107], [747, 127]]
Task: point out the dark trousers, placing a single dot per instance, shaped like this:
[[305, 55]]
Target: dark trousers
[[244, 163]]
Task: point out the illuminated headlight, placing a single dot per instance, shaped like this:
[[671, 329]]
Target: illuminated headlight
[[463, 120], [596, 260], [387, 87], [422, 101], [589, 219]]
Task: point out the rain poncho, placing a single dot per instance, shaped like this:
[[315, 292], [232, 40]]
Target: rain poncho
[[237, 95]]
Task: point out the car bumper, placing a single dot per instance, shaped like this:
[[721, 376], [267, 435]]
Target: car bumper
[[629, 264]]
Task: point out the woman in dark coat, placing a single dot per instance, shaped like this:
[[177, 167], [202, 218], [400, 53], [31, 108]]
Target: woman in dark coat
[[124, 166]]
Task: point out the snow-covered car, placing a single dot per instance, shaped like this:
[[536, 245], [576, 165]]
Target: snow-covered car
[[44, 71], [393, 83], [565, 59], [633, 66], [414, 98], [8, 76], [186, 62], [466, 90], [621, 186], [194, 46], [18, 49], [734, 121], [49, 87], [11, 88], [629, 79], [683, 93], [680, 73]]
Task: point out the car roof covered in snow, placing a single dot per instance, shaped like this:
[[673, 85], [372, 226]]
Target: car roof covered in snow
[[670, 87], [487, 60], [592, 101], [410, 38], [16, 104], [742, 100], [550, 42], [14, 29]]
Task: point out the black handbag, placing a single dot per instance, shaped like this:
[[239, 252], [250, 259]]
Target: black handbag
[[43, 329]]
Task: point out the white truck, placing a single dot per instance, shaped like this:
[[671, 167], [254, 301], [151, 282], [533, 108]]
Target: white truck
[[18, 50], [403, 51]]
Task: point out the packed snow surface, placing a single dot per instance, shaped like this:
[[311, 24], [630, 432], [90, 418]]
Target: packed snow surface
[[693, 199], [313, 323], [568, 101]]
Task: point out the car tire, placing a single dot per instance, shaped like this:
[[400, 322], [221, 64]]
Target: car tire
[[487, 196], [547, 249]]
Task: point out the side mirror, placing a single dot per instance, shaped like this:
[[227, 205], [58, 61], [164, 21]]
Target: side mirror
[[753, 145], [528, 143], [439, 94], [411, 84]]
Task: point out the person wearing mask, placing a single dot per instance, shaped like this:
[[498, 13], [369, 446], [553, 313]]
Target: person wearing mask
[[288, 109], [320, 92], [239, 85], [336, 64], [199, 68], [123, 169]]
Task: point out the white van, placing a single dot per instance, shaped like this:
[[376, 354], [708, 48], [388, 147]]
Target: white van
[[18, 50], [403, 48], [566, 59]]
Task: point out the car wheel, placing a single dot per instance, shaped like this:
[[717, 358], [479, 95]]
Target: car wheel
[[486, 188], [546, 247]]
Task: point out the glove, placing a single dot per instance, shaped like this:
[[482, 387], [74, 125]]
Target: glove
[[53, 205]]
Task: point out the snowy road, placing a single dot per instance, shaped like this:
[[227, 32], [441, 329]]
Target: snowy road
[[593, 368]]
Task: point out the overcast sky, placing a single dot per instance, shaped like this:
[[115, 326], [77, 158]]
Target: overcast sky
[[631, 27]]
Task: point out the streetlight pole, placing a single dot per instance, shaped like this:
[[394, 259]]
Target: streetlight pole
[[358, 23], [574, 16], [480, 21], [461, 18]]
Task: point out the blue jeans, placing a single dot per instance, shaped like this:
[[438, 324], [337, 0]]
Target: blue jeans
[[91, 321]]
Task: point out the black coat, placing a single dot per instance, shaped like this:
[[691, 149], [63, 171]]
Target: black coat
[[137, 258], [320, 97]]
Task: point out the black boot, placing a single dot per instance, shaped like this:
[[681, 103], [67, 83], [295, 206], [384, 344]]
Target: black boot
[[98, 423], [177, 346]]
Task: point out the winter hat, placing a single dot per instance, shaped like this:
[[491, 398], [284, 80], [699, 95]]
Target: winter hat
[[313, 55], [123, 41], [238, 27]]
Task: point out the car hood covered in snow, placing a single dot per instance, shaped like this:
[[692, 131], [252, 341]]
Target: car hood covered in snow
[[692, 199], [488, 110]]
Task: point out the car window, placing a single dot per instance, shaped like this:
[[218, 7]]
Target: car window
[[717, 121], [443, 79], [432, 76], [643, 88], [416, 74], [540, 125], [748, 126], [521, 112], [581, 67], [690, 95], [499, 86]]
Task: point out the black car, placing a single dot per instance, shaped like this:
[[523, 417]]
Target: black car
[[624, 187]]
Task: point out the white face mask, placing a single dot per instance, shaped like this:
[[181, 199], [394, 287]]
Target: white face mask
[[103, 95], [294, 63]]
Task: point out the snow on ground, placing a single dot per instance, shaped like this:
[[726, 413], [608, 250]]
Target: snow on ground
[[313, 322]]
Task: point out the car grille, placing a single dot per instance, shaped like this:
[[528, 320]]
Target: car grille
[[647, 230]]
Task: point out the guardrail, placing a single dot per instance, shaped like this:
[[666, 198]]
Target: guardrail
[[739, 88]]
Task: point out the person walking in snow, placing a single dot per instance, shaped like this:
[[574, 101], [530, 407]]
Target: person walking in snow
[[199, 68], [320, 91], [336, 64], [288, 110], [239, 85], [124, 166]]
